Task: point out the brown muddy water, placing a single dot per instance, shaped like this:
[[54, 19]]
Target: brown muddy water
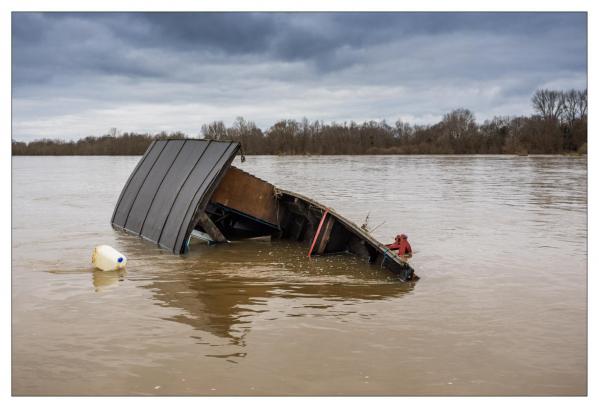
[[500, 246]]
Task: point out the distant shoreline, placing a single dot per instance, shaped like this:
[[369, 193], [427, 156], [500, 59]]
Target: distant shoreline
[[558, 127], [573, 154]]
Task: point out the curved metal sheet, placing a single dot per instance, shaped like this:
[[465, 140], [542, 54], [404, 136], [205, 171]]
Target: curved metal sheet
[[169, 187]]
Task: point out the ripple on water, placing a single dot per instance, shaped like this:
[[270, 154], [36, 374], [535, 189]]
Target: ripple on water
[[500, 244]]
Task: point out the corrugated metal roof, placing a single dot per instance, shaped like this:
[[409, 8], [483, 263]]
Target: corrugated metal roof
[[169, 186]]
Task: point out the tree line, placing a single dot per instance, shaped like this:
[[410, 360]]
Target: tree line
[[558, 125]]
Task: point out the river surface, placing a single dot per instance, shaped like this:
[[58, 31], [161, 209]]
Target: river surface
[[501, 307]]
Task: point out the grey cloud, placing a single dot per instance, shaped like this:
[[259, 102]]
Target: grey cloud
[[81, 69], [318, 38]]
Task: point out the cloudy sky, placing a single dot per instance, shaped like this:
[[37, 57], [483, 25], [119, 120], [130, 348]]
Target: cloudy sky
[[80, 74]]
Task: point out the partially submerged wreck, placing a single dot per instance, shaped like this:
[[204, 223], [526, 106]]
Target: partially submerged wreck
[[182, 187]]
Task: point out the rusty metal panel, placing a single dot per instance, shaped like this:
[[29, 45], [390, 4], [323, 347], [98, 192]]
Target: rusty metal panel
[[171, 183], [248, 194]]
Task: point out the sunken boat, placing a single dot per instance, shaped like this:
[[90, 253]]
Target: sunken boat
[[187, 187]]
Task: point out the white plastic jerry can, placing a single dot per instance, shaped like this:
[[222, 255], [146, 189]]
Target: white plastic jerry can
[[107, 258]]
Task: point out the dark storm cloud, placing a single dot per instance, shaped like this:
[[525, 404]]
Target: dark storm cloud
[[67, 42], [76, 67]]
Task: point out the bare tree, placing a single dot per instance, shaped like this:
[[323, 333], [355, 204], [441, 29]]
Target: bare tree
[[215, 131], [571, 106], [459, 122], [582, 103], [547, 103], [403, 130]]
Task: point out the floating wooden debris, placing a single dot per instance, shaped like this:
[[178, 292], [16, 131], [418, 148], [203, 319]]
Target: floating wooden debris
[[182, 185]]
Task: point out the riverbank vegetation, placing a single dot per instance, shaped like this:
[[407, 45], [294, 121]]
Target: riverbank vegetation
[[559, 125]]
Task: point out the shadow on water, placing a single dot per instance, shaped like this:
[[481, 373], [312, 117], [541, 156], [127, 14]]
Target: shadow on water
[[224, 290]]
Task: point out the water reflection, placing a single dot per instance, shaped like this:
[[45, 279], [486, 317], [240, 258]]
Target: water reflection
[[105, 279], [558, 186], [223, 290], [488, 234]]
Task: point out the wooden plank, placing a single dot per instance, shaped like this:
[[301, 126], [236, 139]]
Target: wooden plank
[[362, 237], [206, 223], [326, 234], [324, 216], [247, 194], [301, 223]]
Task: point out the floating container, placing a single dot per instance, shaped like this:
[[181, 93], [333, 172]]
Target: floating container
[[107, 258]]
